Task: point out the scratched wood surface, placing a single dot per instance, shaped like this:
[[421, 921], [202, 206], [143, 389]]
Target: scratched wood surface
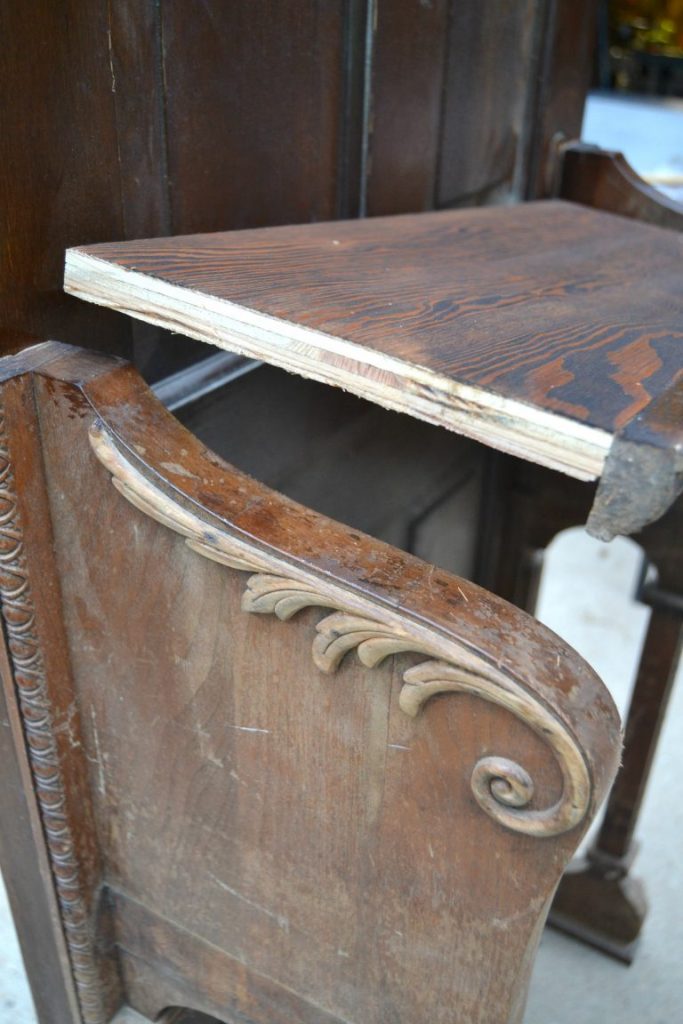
[[542, 329], [272, 842]]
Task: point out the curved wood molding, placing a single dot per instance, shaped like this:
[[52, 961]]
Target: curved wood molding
[[605, 180], [501, 787]]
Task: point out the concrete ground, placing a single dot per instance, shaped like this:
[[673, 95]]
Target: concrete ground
[[585, 597]]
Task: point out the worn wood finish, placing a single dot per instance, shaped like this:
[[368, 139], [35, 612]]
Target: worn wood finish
[[539, 329], [232, 782]]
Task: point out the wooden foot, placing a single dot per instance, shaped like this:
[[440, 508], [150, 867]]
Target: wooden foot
[[601, 904]]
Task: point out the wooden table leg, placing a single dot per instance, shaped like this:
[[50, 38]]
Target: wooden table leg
[[598, 900]]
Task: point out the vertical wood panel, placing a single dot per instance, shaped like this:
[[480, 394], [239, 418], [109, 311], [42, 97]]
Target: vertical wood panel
[[59, 171], [564, 77], [254, 96], [137, 84], [407, 83], [490, 50]]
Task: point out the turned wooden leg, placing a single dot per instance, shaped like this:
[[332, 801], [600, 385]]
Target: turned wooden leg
[[598, 900]]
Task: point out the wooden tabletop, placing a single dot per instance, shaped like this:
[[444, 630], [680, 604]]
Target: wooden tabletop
[[543, 329]]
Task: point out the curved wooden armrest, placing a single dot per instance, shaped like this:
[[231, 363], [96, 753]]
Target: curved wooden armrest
[[605, 179], [385, 602]]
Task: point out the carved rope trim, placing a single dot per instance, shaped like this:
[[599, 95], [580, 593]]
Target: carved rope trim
[[34, 705], [502, 788]]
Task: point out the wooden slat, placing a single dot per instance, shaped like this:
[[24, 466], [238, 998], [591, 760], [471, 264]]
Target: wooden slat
[[562, 77], [539, 329], [490, 49], [407, 85], [253, 99], [56, 80]]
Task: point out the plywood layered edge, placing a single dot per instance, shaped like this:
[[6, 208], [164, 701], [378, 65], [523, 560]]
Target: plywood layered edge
[[509, 425]]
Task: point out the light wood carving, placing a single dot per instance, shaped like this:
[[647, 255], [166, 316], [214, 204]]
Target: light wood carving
[[374, 630]]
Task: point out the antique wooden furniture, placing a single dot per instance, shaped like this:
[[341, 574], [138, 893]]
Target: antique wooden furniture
[[138, 119], [549, 331], [233, 813], [544, 329]]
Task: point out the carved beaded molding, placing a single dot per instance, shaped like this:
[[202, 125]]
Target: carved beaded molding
[[34, 705], [502, 787]]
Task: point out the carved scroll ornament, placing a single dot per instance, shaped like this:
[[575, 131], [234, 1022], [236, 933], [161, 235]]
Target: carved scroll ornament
[[503, 788]]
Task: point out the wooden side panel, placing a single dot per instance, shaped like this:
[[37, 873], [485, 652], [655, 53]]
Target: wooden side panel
[[43, 698], [282, 826], [302, 825]]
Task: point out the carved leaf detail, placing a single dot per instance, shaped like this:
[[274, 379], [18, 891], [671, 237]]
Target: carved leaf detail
[[276, 595], [342, 632], [502, 787]]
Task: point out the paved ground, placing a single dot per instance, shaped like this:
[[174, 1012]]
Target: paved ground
[[584, 598]]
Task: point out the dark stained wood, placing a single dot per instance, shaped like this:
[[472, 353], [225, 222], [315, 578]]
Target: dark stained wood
[[59, 178], [137, 84], [606, 181], [258, 820], [569, 310], [254, 97], [408, 67], [562, 77], [488, 77], [659, 659]]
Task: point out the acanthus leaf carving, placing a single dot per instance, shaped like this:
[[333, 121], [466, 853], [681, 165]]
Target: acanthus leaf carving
[[502, 788]]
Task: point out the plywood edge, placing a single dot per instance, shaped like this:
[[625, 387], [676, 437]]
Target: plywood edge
[[509, 425]]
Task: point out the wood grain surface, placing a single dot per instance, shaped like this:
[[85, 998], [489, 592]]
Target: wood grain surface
[[541, 329]]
